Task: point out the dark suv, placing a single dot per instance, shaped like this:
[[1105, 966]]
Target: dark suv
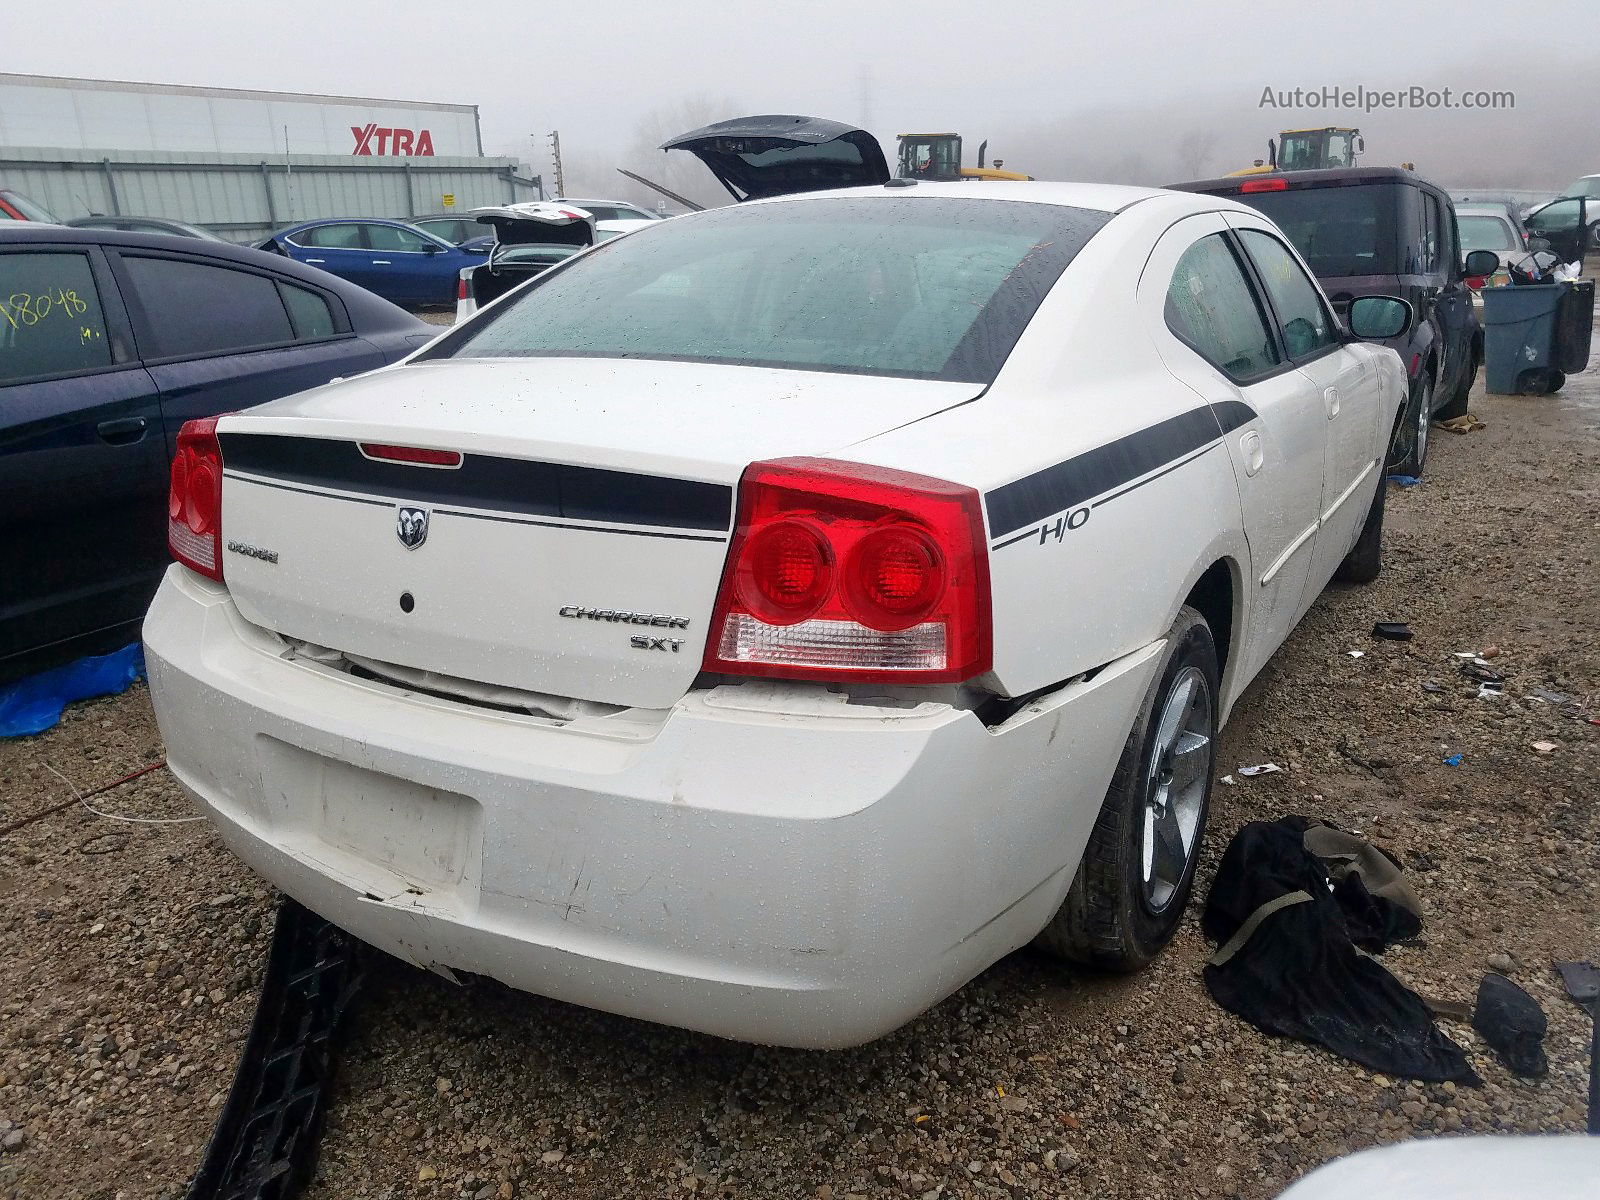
[[1382, 231]]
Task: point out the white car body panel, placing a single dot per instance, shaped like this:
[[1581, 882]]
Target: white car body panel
[[781, 862], [1461, 1168]]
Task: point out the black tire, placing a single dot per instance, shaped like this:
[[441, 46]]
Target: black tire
[[1365, 559], [1108, 919], [1408, 445], [1456, 406], [1555, 383]]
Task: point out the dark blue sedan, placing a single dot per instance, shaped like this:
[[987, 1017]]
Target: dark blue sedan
[[396, 260], [109, 342]]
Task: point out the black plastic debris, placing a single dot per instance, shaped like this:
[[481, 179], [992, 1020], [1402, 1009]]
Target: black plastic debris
[[1392, 631], [1512, 1022], [264, 1145], [1288, 960], [1481, 671]]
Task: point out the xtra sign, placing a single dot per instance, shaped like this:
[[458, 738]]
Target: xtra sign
[[372, 138]]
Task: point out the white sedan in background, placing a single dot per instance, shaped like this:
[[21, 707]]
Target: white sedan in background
[[529, 239], [764, 624]]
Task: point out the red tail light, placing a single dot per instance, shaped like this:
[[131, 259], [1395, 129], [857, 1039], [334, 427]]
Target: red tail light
[[461, 287], [845, 571], [1265, 185], [1475, 282], [194, 503], [418, 455]]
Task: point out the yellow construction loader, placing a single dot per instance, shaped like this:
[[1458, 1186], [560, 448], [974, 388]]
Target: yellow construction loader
[[937, 156], [1309, 150]]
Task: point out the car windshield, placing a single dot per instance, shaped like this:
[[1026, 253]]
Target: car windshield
[[925, 287], [1339, 231], [1485, 233]]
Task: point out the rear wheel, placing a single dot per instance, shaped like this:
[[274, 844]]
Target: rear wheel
[[1408, 447], [1137, 871]]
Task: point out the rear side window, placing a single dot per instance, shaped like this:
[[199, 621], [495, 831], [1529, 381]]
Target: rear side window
[[1307, 325], [389, 238], [331, 237], [1211, 307], [196, 309], [308, 310], [50, 318], [1432, 234]]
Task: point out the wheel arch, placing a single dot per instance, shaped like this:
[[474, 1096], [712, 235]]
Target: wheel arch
[[1216, 589]]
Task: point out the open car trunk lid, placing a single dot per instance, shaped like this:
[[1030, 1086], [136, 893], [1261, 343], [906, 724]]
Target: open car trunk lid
[[537, 221], [776, 155], [575, 550]]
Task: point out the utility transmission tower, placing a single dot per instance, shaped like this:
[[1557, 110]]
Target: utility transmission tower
[[555, 154]]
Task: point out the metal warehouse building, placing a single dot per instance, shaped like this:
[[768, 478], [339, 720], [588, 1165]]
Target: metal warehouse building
[[241, 162]]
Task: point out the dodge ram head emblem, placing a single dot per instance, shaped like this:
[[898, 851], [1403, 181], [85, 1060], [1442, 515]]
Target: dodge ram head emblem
[[411, 526]]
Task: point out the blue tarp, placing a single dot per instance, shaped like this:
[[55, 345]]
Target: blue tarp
[[34, 704]]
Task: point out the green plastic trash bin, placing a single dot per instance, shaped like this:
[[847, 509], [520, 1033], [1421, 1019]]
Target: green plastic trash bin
[[1532, 334]]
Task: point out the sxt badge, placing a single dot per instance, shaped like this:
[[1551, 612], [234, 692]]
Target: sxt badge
[[641, 642]]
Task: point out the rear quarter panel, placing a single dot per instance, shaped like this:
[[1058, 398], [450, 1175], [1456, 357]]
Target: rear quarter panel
[[1103, 572]]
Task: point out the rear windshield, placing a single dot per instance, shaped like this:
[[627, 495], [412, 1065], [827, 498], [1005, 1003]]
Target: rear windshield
[[1484, 233], [1339, 231], [929, 287]]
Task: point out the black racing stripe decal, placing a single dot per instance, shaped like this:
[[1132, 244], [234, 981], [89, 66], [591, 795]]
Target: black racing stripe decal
[[1023, 503], [651, 533], [473, 516], [1133, 487], [512, 485]]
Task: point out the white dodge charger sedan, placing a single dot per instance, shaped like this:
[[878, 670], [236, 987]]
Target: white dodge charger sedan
[[764, 625]]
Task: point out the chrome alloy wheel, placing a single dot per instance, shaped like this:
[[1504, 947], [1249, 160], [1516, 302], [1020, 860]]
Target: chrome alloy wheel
[[1175, 789]]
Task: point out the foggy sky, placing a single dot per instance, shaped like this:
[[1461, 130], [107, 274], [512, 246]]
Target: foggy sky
[[1060, 91]]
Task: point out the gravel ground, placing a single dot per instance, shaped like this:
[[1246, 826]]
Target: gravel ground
[[131, 952]]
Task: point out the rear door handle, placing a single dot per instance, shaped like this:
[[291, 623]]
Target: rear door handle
[[122, 432], [316, 260], [381, 262], [1330, 398]]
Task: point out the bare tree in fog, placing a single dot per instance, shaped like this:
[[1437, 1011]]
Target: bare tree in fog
[[1195, 149], [681, 172]]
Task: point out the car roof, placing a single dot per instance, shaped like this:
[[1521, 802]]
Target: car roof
[[1100, 197], [581, 200], [365, 309], [1482, 208]]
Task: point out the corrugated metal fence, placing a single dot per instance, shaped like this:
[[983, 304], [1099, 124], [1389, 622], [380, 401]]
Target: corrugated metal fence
[[243, 197]]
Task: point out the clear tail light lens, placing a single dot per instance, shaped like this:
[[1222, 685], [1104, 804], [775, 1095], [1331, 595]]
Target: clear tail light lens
[[194, 500], [846, 571]]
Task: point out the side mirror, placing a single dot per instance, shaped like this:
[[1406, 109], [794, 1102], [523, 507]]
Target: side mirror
[[1375, 318], [1536, 244], [1481, 262], [430, 249]]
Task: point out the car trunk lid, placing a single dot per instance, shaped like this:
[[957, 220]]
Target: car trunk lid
[[776, 155], [574, 549]]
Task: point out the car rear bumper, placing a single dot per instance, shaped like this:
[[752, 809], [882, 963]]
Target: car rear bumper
[[764, 862]]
